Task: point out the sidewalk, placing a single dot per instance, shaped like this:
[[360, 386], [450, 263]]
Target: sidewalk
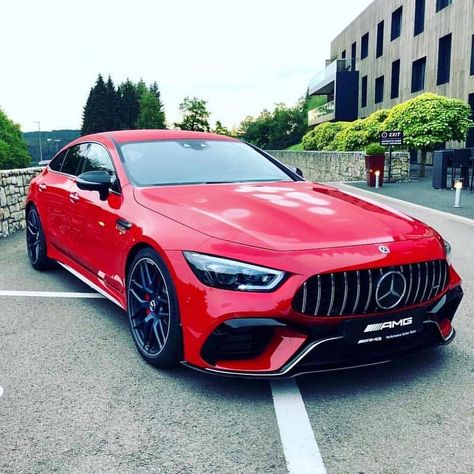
[[421, 192]]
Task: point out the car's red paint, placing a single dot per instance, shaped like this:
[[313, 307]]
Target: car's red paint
[[299, 227]]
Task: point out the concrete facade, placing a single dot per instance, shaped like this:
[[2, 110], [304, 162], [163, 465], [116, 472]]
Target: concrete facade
[[457, 19]]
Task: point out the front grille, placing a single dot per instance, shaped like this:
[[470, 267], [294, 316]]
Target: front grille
[[354, 293]]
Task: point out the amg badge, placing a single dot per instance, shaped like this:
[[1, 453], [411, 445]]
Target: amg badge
[[389, 325]]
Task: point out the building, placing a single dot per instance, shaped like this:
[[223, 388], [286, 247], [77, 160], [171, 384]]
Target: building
[[394, 51]]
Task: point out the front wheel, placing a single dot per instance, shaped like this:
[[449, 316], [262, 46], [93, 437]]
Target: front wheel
[[36, 241], [153, 310]]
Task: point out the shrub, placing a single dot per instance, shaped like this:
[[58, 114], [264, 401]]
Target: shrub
[[13, 148], [375, 149], [322, 136]]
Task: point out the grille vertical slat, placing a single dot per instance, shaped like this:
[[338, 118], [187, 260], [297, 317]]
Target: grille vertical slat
[[354, 292], [333, 294], [318, 297], [305, 297], [356, 304], [369, 293], [346, 292]]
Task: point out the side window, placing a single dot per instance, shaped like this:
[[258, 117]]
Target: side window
[[56, 163], [98, 159], [73, 160]]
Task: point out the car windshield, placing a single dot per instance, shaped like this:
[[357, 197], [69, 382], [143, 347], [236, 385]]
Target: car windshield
[[163, 162]]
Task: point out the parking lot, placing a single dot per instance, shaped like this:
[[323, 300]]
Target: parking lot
[[77, 397]]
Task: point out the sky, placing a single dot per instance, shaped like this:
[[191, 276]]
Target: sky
[[242, 56]]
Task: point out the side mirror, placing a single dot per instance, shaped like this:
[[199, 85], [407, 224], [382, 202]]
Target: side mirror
[[95, 181], [295, 170]]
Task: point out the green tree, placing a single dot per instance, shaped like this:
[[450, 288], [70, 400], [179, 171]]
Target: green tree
[[322, 137], [221, 130], [129, 105], [195, 115], [151, 114], [13, 148], [111, 112], [429, 120], [95, 117]]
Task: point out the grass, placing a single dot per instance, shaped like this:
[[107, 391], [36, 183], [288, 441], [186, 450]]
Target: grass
[[297, 147]]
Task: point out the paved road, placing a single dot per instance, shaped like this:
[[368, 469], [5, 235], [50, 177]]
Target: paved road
[[78, 398]]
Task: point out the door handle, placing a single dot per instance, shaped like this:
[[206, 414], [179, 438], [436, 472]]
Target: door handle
[[42, 187], [74, 197]]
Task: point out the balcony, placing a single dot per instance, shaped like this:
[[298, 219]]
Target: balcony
[[339, 80], [323, 113], [324, 82]]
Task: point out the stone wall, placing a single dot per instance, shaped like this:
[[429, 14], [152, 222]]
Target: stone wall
[[13, 189], [333, 166]]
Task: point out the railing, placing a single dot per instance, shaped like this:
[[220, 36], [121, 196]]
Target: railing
[[321, 111], [329, 72]]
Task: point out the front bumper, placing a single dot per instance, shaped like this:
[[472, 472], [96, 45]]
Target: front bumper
[[309, 349]]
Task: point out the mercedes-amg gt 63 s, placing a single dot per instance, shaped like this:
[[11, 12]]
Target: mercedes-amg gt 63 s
[[228, 261]]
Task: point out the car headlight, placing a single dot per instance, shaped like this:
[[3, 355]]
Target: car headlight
[[447, 251], [232, 275]]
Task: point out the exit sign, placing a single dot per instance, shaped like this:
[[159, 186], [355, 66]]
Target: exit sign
[[391, 138]]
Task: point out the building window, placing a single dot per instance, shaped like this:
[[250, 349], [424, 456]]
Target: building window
[[470, 133], [379, 83], [364, 48], [343, 54], [380, 28], [444, 59], [419, 16], [440, 4], [353, 55], [418, 75], [472, 57], [397, 23], [395, 88], [364, 92]]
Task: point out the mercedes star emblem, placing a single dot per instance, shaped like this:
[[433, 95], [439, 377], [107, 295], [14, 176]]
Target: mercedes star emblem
[[390, 290]]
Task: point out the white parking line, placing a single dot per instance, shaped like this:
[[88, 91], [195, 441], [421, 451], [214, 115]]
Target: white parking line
[[299, 445], [50, 294]]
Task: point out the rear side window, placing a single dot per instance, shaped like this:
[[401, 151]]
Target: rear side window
[[98, 159], [73, 160], [56, 163]]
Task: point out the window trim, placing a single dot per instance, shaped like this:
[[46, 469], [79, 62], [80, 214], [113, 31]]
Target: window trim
[[420, 17], [413, 75], [364, 91], [392, 96], [447, 79], [380, 39], [393, 32], [378, 80], [362, 42]]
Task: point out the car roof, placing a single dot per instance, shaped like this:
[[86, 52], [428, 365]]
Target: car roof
[[124, 136]]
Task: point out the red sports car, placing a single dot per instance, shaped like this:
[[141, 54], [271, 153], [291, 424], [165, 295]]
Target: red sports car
[[230, 262]]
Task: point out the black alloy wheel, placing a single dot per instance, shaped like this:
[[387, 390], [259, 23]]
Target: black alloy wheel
[[153, 310], [36, 242]]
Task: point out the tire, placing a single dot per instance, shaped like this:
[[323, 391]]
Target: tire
[[153, 310], [36, 242]]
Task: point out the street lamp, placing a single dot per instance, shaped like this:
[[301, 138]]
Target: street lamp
[[54, 140], [39, 138]]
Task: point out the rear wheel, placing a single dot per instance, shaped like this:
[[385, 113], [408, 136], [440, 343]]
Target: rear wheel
[[36, 241], [153, 310]]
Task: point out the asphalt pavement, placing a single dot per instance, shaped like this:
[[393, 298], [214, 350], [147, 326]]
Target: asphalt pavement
[[78, 398]]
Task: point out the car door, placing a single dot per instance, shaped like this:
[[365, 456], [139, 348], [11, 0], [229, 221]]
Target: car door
[[98, 245], [54, 196]]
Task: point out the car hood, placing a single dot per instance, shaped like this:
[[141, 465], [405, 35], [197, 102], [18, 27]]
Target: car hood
[[281, 216]]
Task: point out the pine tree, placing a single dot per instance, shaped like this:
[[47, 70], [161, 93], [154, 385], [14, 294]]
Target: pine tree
[[129, 106], [112, 112], [151, 114], [95, 117]]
